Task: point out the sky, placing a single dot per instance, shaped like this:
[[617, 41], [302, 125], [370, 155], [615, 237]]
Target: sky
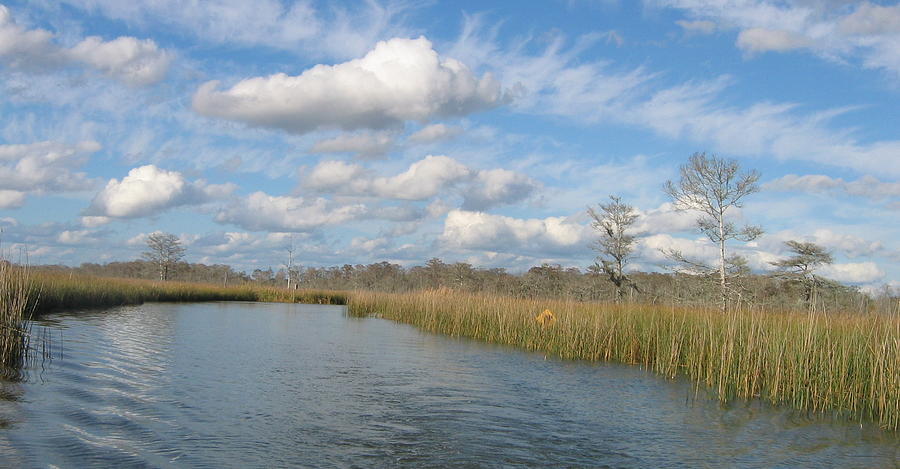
[[476, 132]]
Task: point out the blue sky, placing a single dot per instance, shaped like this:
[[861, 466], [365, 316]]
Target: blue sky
[[401, 131]]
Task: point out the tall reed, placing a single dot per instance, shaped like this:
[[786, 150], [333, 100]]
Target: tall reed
[[849, 364], [14, 296], [53, 291]]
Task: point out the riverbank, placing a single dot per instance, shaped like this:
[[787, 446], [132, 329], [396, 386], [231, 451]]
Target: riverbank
[[848, 364], [49, 292]]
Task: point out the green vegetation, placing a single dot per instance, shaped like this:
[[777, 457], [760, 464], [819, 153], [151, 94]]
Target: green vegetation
[[847, 363]]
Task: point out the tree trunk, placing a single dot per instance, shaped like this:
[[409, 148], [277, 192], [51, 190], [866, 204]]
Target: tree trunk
[[723, 285]]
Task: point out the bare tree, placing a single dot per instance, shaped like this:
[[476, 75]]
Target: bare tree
[[165, 250], [290, 262], [800, 267], [615, 245], [712, 186]]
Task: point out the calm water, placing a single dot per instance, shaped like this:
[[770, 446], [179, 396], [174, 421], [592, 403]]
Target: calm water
[[275, 385]]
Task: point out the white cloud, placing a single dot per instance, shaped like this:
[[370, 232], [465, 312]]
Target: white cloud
[[697, 27], [849, 32], [262, 212], [397, 81], [336, 176], [77, 237], [133, 61], [866, 186], [363, 145], [481, 231], [554, 81], [872, 20], [664, 219], [764, 40], [148, 190], [94, 221], [43, 167], [859, 272], [493, 187], [11, 199], [693, 111], [850, 245], [331, 30], [650, 248], [424, 179], [23, 48], [434, 133], [853, 246], [367, 246]]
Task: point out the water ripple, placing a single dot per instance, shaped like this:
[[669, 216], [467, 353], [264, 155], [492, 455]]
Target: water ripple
[[251, 385]]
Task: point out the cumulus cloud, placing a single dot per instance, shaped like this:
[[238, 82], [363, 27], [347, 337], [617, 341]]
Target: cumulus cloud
[[424, 179], [651, 248], [133, 61], [434, 133], [148, 190], [397, 81], [11, 199], [852, 246], [493, 187], [42, 168], [77, 237], [481, 231], [859, 272], [664, 219], [363, 145], [262, 212], [336, 176]]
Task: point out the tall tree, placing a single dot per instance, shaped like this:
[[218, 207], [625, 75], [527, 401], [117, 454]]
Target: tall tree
[[713, 186], [164, 250], [615, 245], [801, 267]]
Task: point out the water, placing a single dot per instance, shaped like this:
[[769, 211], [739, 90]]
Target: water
[[279, 385]]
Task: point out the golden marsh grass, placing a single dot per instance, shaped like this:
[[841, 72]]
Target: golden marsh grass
[[849, 364]]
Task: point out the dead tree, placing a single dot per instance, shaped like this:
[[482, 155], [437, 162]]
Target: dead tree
[[713, 186], [615, 244]]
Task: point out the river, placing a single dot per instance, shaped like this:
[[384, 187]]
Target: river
[[284, 385]]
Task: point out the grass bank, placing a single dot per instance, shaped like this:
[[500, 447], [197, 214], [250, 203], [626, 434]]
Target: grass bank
[[48, 291], [848, 364]]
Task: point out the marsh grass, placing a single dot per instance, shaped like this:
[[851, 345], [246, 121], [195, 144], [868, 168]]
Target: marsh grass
[[14, 310], [847, 364], [25, 293], [50, 291]]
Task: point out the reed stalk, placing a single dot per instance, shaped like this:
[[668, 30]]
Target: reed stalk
[[847, 364]]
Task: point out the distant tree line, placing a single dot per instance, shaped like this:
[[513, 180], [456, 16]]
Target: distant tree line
[[757, 291], [708, 185]]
